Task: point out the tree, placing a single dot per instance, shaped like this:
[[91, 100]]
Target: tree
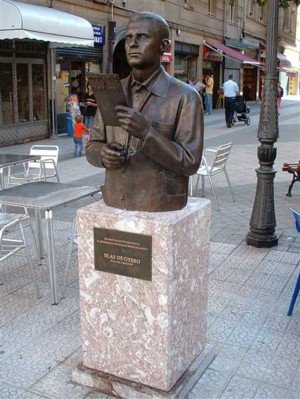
[[282, 3]]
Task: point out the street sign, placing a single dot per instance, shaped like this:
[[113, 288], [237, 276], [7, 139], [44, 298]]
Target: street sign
[[99, 35]]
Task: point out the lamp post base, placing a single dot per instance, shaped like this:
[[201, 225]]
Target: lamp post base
[[261, 241]]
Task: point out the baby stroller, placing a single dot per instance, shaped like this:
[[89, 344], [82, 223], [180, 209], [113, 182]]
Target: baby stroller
[[241, 110]]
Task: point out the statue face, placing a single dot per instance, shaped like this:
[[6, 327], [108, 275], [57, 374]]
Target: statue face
[[143, 45]]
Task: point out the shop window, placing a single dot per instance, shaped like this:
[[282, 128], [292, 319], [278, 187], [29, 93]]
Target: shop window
[[212, 7], [38, 92], [6, 94], [23, 92], [185, 67], [181, 68]]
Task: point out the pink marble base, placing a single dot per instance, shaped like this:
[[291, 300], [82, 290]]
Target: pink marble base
[[148, 332], [120, 388]]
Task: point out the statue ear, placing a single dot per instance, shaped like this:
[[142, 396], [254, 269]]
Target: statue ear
[[165, 45]]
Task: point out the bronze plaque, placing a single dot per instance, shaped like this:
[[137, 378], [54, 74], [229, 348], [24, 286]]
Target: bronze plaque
[[120, 252]]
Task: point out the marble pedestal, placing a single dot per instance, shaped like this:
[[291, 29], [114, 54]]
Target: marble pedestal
[[145, 333]]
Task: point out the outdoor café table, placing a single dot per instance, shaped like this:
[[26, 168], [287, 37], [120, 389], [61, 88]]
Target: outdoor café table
[[13, 159], [44, 196]]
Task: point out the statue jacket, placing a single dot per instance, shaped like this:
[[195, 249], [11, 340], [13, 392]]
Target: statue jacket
[[156, 173]]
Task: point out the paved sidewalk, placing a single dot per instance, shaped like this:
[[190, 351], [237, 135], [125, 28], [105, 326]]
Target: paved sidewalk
[[258, 346]]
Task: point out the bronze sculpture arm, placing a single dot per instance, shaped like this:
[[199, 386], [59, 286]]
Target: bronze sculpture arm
[[182, 153]]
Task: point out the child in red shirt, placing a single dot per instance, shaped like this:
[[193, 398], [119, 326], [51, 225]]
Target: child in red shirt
[[79, 128]]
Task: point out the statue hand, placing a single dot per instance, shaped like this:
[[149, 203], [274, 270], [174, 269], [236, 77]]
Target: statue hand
[[133, 121], [111, 155]]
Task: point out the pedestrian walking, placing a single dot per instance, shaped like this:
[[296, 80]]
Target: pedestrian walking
[[279, 96], [90, 104], [79, 129], [231, 89], [209, 89]]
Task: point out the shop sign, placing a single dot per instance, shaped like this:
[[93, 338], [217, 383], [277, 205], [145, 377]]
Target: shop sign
[[99, 35]]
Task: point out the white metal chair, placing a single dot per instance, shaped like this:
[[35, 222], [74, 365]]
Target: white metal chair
[[217, 165], [42, 169], [14, 223]]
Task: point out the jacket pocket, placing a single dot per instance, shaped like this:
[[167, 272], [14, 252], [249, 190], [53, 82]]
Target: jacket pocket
[[166, 129]]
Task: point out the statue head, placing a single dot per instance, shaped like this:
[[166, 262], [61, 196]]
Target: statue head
[[146, 39]]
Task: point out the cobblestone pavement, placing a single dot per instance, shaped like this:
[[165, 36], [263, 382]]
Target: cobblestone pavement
[[257, 345]]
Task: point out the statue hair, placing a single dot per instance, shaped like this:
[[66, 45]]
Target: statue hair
[[161, 24]]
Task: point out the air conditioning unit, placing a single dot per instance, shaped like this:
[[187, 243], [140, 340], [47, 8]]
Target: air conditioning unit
[[101, 1]]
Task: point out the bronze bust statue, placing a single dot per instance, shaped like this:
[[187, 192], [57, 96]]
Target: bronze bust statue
[[149, 158]]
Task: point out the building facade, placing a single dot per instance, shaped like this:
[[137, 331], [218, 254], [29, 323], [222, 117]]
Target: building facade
[[255, 33], [217, 36]]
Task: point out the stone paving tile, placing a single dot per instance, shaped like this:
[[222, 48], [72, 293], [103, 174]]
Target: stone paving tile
[[210, 385], [228, 359], [282, 370], [276, 322], [217, 258], [217, 304], [214, 246], [293, 258], [220, 330], [243, 335], [27, 327], [226, 249], [26, 366], [294, 324], [275, 255], [97, 395], [254, 364], [10, 392], [289, 346], [222, 272], [283, 269], [273, 392], [267, 340], [59, 388], [240, 388], [295, 386]]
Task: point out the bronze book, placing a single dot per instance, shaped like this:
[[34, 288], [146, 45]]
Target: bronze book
[[108, 92]]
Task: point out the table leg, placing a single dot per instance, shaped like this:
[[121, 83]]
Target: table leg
[[51, 257], [1, 178], [40, 242], [191, 185]]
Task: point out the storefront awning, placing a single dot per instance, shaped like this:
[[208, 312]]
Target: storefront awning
[[28, 21], [230, 53], [284, 63]]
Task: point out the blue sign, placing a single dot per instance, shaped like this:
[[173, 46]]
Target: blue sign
[[99, 35]]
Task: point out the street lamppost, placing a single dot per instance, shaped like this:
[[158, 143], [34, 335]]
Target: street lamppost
[[111, 38], [263, 221]]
